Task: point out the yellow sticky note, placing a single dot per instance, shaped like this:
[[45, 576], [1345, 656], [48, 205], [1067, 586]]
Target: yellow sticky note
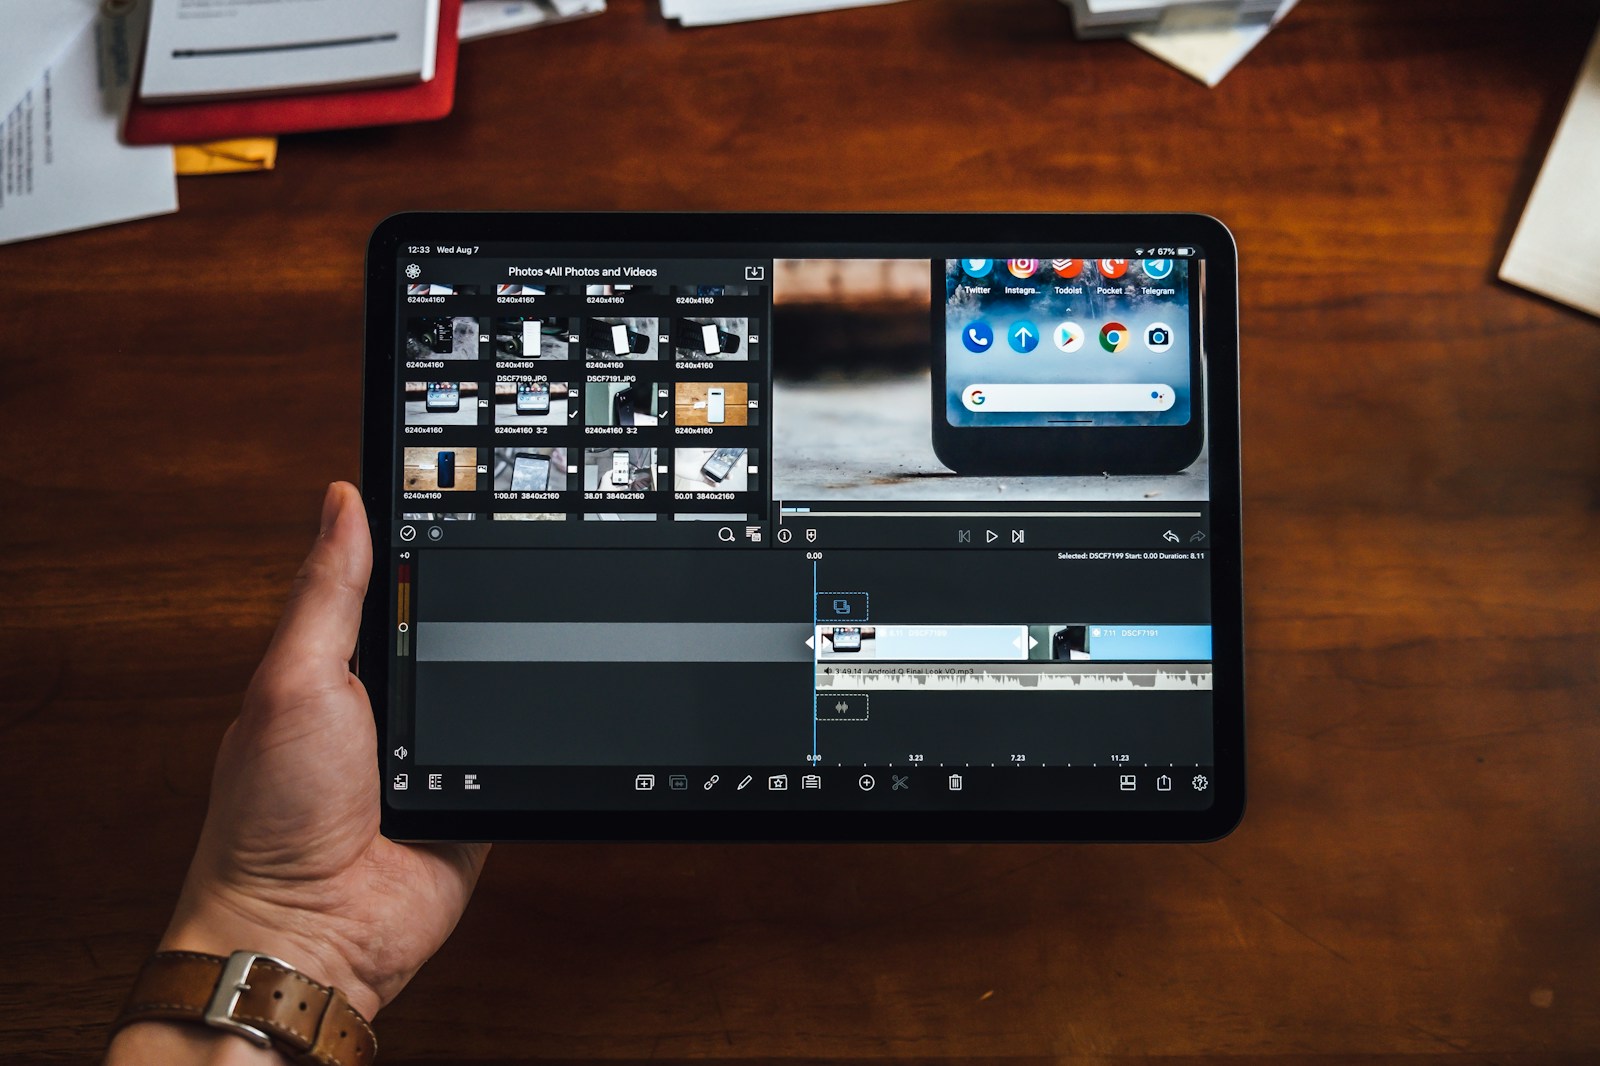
[[226, 157]]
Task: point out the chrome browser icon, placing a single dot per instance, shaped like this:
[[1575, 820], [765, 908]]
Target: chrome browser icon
[[1113, 336]]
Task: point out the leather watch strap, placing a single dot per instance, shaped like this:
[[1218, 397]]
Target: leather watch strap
[[256, 996]]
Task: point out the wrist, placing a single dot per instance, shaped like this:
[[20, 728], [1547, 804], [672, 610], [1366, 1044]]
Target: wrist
[[218, 924], [179, 1044]]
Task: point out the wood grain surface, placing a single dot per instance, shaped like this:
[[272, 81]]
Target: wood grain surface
[[1418, 873]]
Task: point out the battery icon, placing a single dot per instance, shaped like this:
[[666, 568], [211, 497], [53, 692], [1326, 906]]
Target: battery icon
[[1185, 251]]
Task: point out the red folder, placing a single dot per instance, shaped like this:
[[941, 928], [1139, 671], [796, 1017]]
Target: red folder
[[262, 116]]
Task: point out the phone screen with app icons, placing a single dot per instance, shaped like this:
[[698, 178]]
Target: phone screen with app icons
[[1072, 343]]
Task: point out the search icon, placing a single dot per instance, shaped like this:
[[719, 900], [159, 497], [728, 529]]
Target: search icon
[[725, 534]]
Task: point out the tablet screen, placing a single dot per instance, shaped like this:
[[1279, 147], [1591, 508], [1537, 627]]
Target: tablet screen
[[891, 530]]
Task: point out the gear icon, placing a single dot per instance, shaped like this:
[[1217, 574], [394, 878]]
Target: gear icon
[[1200, 782], [413, 271]]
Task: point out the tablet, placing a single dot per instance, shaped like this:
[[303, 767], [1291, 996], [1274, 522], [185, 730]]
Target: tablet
[[959, 560]]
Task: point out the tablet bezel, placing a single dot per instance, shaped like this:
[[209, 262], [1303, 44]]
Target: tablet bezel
[[694, 234]]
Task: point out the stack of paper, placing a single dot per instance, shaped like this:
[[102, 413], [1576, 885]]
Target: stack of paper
[[1203, 38], [290, 68], [64, 74], [717, 12], [1118, 18], [485, 18], [226, 48]]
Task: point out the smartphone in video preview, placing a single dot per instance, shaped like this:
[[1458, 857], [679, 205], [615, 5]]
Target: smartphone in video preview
[[1070, 366], [720, 464], [530, 472], [533, 398], [928, 531], [444, 396]]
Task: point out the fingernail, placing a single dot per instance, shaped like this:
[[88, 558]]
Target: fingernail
[[332, 504]]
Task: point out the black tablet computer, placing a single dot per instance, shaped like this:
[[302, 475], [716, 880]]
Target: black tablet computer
[[964, 566]]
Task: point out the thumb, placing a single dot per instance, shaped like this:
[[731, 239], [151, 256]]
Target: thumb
[[310, 653]]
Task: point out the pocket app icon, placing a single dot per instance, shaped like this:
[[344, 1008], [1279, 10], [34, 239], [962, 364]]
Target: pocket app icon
[[1113, 336], [1112, 268]]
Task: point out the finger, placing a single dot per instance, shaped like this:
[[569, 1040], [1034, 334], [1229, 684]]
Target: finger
[[317, 634]]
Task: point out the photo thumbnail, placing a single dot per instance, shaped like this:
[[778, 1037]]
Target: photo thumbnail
[[441, 403], [530, 469], [711, 338], [438, 337], [712, 403], [521, 401], [623, 403], [711, 469], [736, 289], [437, 469], [426, 288], [523, 288], [621, 338], [532, 338], [619, 469], [858, 642]]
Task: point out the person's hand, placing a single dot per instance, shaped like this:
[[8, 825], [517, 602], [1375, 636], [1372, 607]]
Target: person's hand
[[290, 861]]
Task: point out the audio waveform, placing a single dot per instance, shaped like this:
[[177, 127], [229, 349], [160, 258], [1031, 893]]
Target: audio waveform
[[1102, 680]]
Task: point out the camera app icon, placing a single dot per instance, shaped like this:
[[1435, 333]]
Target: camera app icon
[[1158, 337]]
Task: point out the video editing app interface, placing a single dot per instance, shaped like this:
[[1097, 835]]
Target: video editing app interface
[[674, 533]]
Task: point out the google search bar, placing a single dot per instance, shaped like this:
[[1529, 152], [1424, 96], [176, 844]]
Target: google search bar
[[1004, 398]]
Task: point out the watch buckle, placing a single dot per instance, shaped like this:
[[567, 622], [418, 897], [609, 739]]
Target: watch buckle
[[234, 982]]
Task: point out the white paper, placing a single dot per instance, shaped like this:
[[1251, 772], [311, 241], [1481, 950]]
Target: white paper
[[206, 48], [719, 12], [485, 18], [63, 166], [36, 33], [1556, 249], [1205, 53]]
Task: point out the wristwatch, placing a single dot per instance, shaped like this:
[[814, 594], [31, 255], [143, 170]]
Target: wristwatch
[[258, 997]]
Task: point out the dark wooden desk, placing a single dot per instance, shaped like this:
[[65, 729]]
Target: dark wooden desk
[[1418, 876]]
